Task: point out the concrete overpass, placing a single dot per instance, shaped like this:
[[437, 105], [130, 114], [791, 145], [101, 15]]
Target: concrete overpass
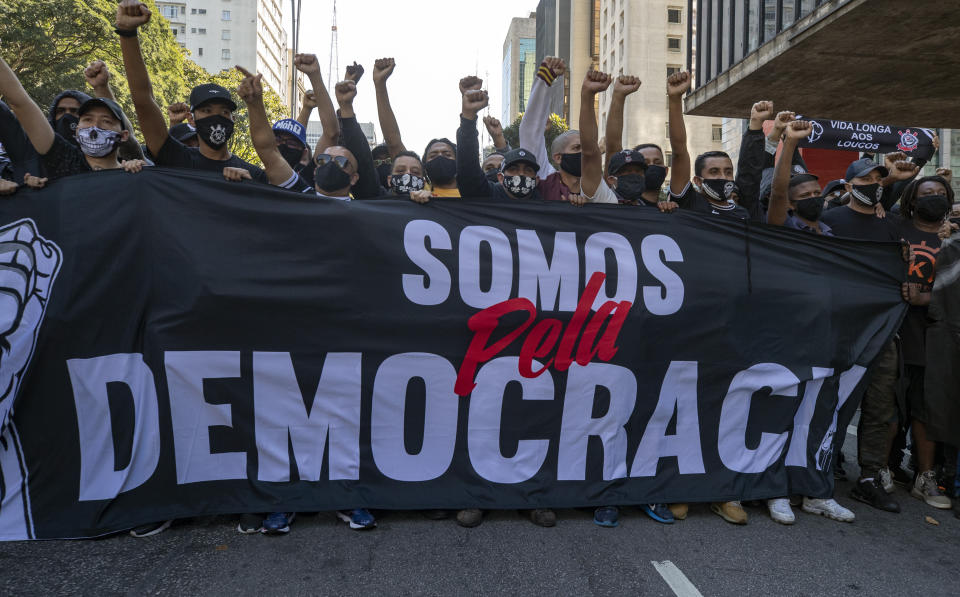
[[882, 61]]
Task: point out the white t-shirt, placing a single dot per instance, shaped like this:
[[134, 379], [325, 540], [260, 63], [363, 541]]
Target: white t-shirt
[[604, 194]]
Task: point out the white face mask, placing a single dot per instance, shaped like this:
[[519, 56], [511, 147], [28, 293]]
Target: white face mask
[[96, 142]]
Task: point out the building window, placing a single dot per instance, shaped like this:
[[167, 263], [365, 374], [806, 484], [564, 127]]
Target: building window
[[225, 34], [169, 12], [174, 30], [621, 52], [202, 11], [604, 44], [202, 31], [674, 16], [621, 23], [672, 70], [199, 51], [193, 30], [668, 158], [718, 132], [183, 10], [193, 11], [225, 15], [225, 54], [673, 44], [666, 129]]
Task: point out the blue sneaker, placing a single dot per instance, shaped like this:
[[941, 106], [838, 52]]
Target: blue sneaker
[[606, 516], [278, 523], [658, 512], [358, 519]]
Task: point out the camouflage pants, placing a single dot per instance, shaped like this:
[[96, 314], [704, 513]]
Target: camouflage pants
[[877, 411]]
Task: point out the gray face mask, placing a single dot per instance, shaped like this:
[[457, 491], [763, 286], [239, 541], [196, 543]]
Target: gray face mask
[[97, 142]]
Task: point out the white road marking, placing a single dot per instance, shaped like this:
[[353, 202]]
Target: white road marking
[[679, 583]]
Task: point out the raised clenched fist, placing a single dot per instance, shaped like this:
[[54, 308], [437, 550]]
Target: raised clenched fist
[[97, 74], [556, 65], [473, 102], [470, 83], [945, 173], [132, 14], [382, 69], [178, 113], [346, 91], [354, 73], [761, 111], [625, 85], [29, 265], [493, 126], [678, 84], [799, 129], [596, 82], [309, 99], [307, 63]]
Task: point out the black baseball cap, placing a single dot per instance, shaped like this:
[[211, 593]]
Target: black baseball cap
[[834, 185], [863, 167], [183, 132], [517, 156], [622, 158], [107, 103], [209, 92]]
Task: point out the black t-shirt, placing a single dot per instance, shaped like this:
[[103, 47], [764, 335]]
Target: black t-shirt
[[694, 201], [926, 246], [849, 223], [175, 154], [64, 159]]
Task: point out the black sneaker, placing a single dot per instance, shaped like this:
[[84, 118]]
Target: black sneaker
[[148, 530], [872, 493], [901, 477], [250, 524]]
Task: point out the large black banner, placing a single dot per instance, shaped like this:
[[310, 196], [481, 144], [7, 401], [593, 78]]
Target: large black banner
[[177, 345], [843, 135]]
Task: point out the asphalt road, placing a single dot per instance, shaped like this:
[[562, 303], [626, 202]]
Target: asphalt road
[[879, 554]]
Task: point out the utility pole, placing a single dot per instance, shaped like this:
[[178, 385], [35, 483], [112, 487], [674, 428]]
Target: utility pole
[[295, 33]]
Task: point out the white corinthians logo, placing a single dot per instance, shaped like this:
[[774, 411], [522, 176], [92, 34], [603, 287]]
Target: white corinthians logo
[[218, 134], [29, 265]]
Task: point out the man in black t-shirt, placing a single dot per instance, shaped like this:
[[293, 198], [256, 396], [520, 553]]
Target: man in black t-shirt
[[211, 108], [858, 218], [712, 172]]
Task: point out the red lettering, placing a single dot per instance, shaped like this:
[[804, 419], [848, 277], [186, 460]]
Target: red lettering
[[482, 325], [565, 352], [535, 348], [607, 347], [586, 351]]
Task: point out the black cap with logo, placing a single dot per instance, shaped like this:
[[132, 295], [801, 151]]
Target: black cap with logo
[[518, 156], [209, 92], [104, 102]]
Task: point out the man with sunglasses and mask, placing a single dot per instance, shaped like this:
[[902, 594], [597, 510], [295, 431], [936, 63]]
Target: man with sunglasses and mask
[[211, 107]]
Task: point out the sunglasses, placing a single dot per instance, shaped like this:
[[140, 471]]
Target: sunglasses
[[323, 159]]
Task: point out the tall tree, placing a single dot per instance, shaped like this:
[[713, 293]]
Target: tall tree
[[48, 44]]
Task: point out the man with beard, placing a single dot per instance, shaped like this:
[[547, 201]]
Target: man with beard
[[211, 106], [712, 171], [555, 185]]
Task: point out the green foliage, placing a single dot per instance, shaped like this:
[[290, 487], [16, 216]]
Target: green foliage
[[556, 126], [49, 43]]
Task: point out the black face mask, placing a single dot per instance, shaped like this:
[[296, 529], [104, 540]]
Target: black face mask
[[654, 177], [215, 130], [719, 189], [291, 155], [810, 208], [492, 176], [383, 173], [932, 208], [331, 177], [868, 194], [66, 127], [631, 186], [570, 163], [441, 170]]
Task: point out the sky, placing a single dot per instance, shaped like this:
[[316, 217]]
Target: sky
[[434, 43]]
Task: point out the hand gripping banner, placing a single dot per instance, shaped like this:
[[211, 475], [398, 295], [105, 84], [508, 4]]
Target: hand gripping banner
[[174, 345]]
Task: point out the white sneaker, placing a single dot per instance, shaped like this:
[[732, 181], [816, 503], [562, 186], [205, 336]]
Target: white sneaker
[[829, 508], [886, 479], [780, 510]]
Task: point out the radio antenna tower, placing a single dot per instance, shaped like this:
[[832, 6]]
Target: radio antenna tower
[[334, 68]]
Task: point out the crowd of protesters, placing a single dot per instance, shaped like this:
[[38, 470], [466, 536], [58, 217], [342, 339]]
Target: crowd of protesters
[[885, 200]]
